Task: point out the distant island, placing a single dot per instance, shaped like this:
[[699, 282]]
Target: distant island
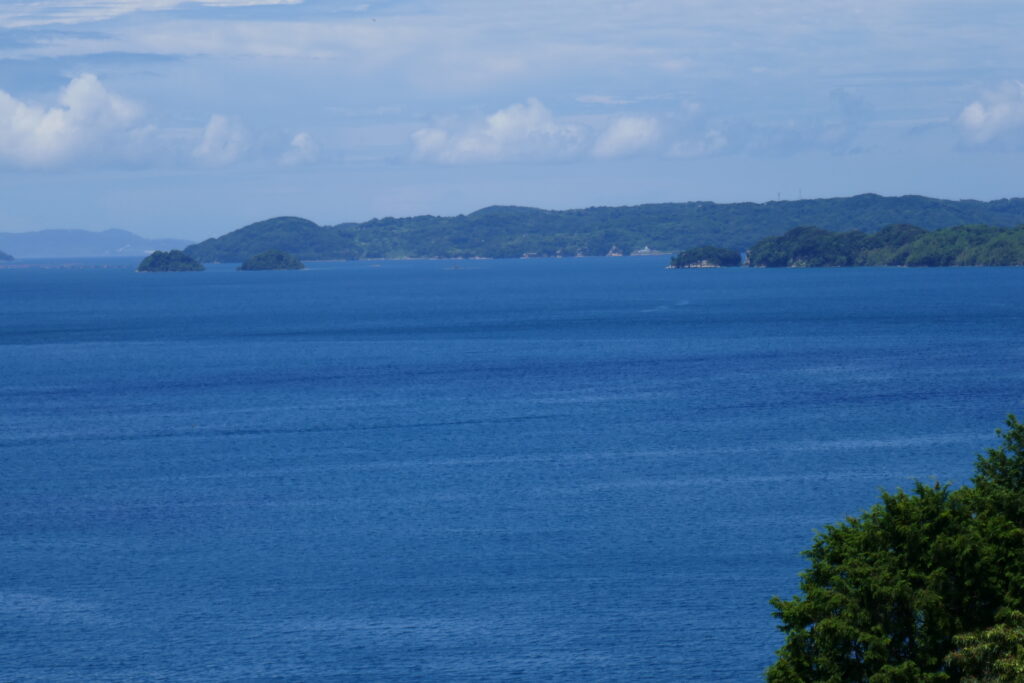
[[512, 232], [272, 259], [895, 245], [706, 257], [5, 256], [169, 262], [84, 244]]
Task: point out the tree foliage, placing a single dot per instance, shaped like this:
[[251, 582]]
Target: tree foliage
[[995, 654], [909, 590]]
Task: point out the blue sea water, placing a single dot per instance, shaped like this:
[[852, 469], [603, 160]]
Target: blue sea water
[[580, 469]]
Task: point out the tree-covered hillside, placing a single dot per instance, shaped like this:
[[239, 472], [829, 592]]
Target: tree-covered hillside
[[305, 239], [272, 260], [509, 231], [895, 245]]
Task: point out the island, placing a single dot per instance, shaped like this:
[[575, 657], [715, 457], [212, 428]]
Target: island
[[5, 256], [272, 259], [706, 257], [174, 261], [512, 231]]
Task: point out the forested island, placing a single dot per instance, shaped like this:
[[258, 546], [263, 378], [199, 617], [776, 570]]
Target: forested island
[[706, 257], [4, 256], [895, 245], [924, 586], [511, 232], [169, 262], [272, 259]]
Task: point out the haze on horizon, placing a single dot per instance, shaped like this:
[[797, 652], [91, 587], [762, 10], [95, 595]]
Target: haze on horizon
[[188, 119]]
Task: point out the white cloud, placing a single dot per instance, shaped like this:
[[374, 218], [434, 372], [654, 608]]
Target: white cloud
[[223, 142], [996, 114], [627, 135], [302, 150], [90, 126], [86, 115], [520, 132], [26, 13]]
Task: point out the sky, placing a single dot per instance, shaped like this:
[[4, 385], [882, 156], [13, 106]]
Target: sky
[[191, 118]]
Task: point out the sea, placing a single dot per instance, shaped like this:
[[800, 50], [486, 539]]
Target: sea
[[540, 470]]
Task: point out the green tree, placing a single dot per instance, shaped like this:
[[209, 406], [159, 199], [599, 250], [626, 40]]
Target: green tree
[[995, 654], [888, 593]]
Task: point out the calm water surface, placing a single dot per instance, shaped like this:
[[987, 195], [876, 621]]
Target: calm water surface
[[546, 469]]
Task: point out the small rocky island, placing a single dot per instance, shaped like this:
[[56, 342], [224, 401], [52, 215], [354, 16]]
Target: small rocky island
[[174, 261], [706, 257], [5, 256], [272, 259]]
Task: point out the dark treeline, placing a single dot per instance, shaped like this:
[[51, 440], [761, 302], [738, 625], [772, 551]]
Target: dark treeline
[[509, 231], [896, 245]]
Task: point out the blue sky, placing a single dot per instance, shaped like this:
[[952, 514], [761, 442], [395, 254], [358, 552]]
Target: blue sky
[[190, 119]]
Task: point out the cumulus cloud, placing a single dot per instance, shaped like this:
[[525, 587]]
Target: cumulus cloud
[[302, 150], [997, 114], [223, 142], [86, 115], [627, 135], [520, 132]]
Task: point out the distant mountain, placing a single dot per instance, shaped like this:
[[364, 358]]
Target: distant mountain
[[510, 231], [83, 244], [5, 257]]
